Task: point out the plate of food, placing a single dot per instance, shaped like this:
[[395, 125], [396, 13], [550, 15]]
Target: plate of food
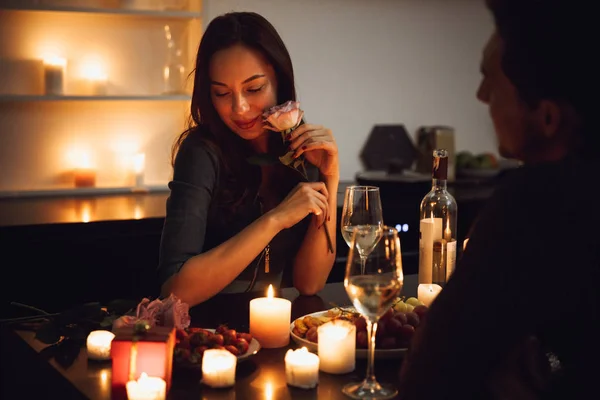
[[394, 333], [192, 342]]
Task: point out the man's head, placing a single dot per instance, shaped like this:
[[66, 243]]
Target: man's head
[[539, 78]]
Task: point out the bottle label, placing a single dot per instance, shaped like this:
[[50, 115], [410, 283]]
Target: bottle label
[[450, 258]]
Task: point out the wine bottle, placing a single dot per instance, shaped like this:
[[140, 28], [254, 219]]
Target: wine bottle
[[437, 236]]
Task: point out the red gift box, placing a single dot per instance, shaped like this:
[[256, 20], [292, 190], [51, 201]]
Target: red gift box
[[133, 353]]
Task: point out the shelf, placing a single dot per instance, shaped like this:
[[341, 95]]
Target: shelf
[[24, 98], [90, 191], [112, 11]]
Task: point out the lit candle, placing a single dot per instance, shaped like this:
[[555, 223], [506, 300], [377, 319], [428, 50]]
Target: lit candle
[[465, 243], [139, 161], [270, 320], [98, 345], [428, 292], [85, 177], [430, 230], [301, 368], [337, 346], [218, 368], [54, 75], [146, 388]]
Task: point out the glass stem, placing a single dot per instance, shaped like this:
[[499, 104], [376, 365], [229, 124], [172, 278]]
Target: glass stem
[[363, 264], [370, 375]]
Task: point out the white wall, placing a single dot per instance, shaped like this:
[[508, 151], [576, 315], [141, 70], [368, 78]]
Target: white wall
[[364, 62]]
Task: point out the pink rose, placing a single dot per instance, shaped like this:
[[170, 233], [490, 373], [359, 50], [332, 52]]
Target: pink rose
[[168, 312], [283, 117]]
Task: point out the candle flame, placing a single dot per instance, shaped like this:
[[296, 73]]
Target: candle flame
[[143, 377], [139, 161], [270, 292], [55, 61]]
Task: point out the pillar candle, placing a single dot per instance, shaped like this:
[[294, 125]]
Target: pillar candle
[[301, 368], [430, 230], [270, 320], [337, 347], [139, 162], [427, 292], [98, 345], [54, 75], [218, 368]]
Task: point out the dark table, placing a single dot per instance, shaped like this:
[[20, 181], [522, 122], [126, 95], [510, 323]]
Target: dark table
[[25, 374]]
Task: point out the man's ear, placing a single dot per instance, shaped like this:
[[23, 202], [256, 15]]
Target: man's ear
[[549, 117]]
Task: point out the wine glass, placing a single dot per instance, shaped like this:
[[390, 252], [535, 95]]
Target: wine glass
[[373, 287], [362, 208]]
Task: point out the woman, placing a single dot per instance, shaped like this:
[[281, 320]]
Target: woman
[[233, 225]]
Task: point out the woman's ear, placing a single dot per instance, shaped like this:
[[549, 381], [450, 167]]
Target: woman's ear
[[549, 118]]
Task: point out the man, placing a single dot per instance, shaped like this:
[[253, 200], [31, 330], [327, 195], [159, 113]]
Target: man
[[517, 320]]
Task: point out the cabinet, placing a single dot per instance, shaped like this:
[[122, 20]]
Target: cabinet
[[114, 105]]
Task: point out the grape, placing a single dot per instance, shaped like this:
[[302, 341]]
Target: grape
[[388, 315], [221, 329], [217, 339], [242, 345], [400, 306], [246, 336], [407, 332], [413, 301], [393, 326], [232, 349], [421, 311], [400, 316], [412, 319], [229, 336], [362, 341]]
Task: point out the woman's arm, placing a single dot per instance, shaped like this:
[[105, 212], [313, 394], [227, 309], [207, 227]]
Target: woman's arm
[[204, 275], [314, 261]]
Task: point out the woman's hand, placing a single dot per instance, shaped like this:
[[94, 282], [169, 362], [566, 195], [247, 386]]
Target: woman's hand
[[306, 198], [318, 146]]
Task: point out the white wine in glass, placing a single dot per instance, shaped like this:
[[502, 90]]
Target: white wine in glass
[[362, 208], [373, 285]]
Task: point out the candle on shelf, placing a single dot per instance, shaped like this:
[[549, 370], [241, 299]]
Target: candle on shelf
[[54, 75], [301, 368], [270, 320], [430, 230], [337, 347], [427, 292], [98, 345], [85, 177], [218, 368], [147, 388], [139, 163]]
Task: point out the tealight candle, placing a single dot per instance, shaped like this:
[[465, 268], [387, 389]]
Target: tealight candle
[[98, 345], [337, 346], [301, 368], [54, 75], [146, 388], [427, 292], [270, 320], [218, 368]]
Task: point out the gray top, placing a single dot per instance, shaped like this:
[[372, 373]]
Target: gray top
[[196, 223]]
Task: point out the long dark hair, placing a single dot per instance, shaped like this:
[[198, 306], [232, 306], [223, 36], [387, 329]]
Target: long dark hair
[[255, 32], [548, 54]]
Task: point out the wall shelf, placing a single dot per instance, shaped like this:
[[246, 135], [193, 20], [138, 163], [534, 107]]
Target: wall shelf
[[89, 191], [111, 11], [32, 98]]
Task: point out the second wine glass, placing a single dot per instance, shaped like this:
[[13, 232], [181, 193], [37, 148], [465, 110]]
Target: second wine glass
[[362, 208], [373, 288]]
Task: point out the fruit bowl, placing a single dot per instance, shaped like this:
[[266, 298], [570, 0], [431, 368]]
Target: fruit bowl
[[192, 342], [394, 338]]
